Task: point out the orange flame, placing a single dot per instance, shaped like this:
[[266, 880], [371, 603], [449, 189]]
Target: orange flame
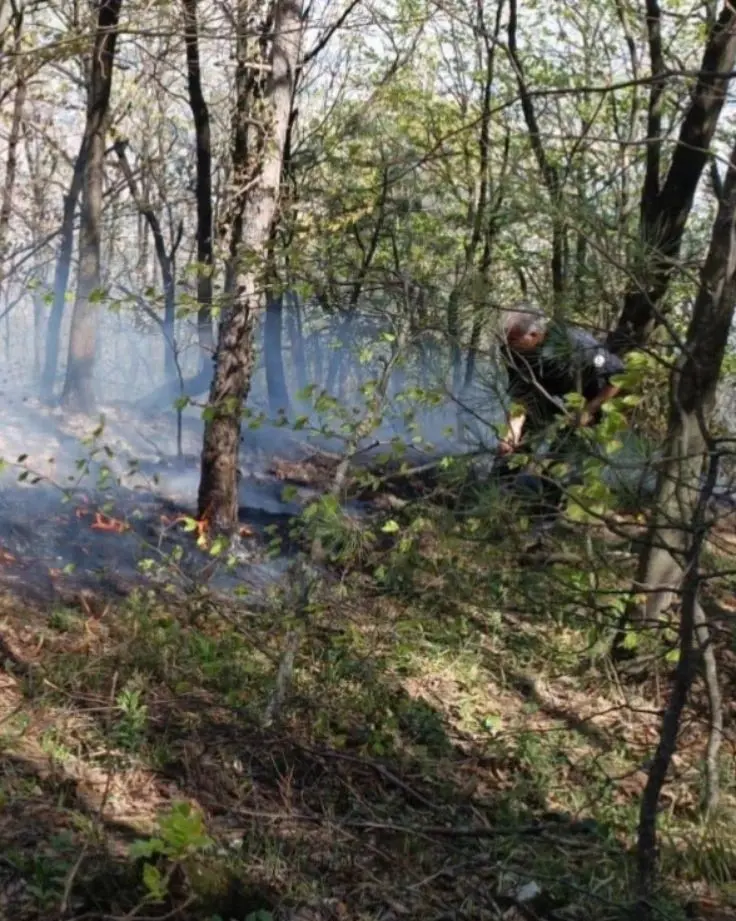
[[201, 526], [104, 522]]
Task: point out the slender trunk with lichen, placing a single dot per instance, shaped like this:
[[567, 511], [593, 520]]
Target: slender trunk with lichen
[[259, 137]]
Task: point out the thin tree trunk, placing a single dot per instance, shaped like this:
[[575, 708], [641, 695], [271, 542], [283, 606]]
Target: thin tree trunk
[[480, 220], [550, 173], [11, 160], [296, 338], [39, 228], [252, 214], [78, 392], [647, 837], [38, 330], [201, 116], [273, 353], [165, 261], [317, 359], [665, 215], [61, 274], [337, 357], [670, 558], [273, 327]]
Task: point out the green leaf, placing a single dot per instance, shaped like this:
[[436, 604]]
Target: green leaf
[[492, 723], [390, 527], [219, 545], [631, 640], [153, 881]]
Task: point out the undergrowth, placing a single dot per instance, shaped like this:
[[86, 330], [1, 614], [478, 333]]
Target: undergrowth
[[454, 743]]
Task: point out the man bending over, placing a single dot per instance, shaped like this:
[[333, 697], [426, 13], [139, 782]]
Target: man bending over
[[545, 362]]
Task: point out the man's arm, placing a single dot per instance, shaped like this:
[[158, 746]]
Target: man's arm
[[607, 366], [592, 406]]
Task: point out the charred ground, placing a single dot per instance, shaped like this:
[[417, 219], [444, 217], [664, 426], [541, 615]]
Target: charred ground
[[453, 743]]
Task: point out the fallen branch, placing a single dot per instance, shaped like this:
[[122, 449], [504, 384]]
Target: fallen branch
[[535, 829]]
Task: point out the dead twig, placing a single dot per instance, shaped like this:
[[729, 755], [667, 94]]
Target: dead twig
[[375, 766]]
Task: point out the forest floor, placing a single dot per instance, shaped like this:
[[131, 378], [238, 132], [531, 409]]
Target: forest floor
[[454, 743]]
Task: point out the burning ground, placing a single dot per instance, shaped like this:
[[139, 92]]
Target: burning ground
[[86, 504], [450, 745], [86, 508]]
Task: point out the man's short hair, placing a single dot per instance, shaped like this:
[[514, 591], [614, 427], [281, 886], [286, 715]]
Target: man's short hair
[[522, 320]]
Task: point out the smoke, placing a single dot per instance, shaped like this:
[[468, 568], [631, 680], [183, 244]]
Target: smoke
[[137, 461]]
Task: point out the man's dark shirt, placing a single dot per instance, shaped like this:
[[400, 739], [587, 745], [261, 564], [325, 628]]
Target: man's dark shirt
[[569, 360]]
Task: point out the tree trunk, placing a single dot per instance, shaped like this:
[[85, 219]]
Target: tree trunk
[[61, 275], [665, 211], [550, 173], [337, 355], [11, 160], [78, 392], [252, 211], [481, 221], [201, 116], [38, 328], [296, 338], [164, 258], [670, 558], [38, 229], [273, 354]]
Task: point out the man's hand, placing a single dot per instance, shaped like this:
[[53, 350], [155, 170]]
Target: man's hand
[[510, 443], [584, 418], [588, 412]]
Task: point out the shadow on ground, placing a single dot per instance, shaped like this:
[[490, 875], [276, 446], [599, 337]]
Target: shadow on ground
[[365, 800]]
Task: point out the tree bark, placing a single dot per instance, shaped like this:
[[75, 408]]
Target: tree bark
[[11, 159], [201, 116], [257, 165], [670, 558], [78, 392], [665, 215]]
